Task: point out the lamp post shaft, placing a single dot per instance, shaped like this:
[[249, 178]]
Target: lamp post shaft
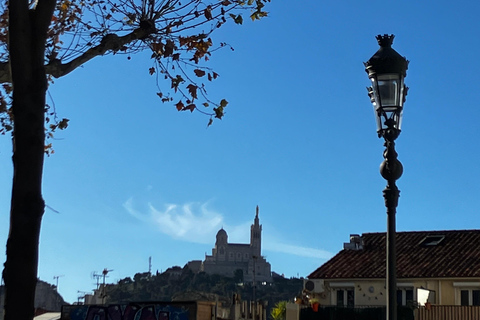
[[391, 169], [391, 194]]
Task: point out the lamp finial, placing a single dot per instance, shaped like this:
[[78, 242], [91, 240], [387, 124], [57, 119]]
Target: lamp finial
[[386, 40]]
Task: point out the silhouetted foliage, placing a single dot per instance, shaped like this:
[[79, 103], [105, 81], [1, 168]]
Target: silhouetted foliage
[[238, 276], [200, 286]]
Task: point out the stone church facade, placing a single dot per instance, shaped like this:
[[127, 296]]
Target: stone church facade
[[227, 257]]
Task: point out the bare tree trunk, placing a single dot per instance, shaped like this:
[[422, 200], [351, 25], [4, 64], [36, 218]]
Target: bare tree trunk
[[27, 34]]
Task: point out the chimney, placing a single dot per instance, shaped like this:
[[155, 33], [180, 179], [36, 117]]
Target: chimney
[[356, 243]]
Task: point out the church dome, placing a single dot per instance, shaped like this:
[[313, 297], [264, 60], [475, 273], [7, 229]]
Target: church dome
[[222, 236]]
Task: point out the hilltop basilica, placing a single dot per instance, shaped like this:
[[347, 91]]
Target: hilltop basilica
[[227, 257]]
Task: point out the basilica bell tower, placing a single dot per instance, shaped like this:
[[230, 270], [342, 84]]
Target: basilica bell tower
[[256, 236]]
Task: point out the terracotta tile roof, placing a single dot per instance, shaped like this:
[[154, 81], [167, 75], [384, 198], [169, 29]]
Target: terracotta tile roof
[[457, 255]]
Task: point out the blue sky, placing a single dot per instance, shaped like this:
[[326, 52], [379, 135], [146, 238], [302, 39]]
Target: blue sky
[[133, 178]]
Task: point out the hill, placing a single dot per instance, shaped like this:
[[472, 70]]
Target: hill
[[182, 284], [46, 297]]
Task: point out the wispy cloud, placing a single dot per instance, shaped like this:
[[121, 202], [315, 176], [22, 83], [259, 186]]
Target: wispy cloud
[[193, 222], [198, 223], [278, 246]]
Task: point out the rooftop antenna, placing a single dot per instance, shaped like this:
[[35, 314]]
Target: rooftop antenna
[[56, 279], [97, 276], [104, 273]]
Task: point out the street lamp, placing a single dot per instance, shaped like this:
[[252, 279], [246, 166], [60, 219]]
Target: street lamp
[[387, 70]]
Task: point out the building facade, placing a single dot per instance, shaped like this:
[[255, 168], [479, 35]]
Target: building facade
[[227, 258], [441, 268]]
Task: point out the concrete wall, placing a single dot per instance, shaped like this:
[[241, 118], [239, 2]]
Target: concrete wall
[[293, 311]]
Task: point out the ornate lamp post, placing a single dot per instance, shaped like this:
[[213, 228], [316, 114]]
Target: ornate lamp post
[[387, 70]]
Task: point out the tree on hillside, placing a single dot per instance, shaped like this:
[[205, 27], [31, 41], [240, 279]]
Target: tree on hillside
[[45, 39], [279, 312], [209, 287]]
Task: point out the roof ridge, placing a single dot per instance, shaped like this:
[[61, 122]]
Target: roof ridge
[[457, 255], [426, 231]]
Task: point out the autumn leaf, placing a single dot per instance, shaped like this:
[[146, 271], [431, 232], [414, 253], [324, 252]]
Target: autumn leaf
[[157, 47], [226, 3], [236, 18], [169, 47], [190, 107], [63, 124], [223, 103], [64, 6], [215, 75], [239, 19], [210, 122], [205, 104], [199, 73], [257, 15], [218, 112], [192, 89], [151, 70], [208, 13], [176, 82], [180, 105]]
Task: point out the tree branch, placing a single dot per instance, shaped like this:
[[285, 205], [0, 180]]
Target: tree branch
[[110, 42]]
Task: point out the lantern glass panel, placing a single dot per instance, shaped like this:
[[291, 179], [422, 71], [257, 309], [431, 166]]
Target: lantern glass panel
[[390, 91]]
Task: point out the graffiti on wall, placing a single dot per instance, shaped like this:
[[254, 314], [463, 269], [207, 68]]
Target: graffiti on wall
[[125, 312]]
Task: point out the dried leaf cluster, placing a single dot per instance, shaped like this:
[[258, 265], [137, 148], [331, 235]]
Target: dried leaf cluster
[[177, 32]]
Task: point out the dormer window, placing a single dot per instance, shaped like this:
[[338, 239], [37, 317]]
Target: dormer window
[[432, 240]]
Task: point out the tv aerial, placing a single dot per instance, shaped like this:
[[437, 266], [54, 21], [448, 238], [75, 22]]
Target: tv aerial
[[56, 279], [97, 276], [104, 274]]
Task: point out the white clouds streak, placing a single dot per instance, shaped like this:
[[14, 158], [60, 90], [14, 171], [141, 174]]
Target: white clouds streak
[[195, 222], [297, 250], [191, 222]]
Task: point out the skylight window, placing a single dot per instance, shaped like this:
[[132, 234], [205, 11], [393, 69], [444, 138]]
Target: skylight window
[[429, 241]]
